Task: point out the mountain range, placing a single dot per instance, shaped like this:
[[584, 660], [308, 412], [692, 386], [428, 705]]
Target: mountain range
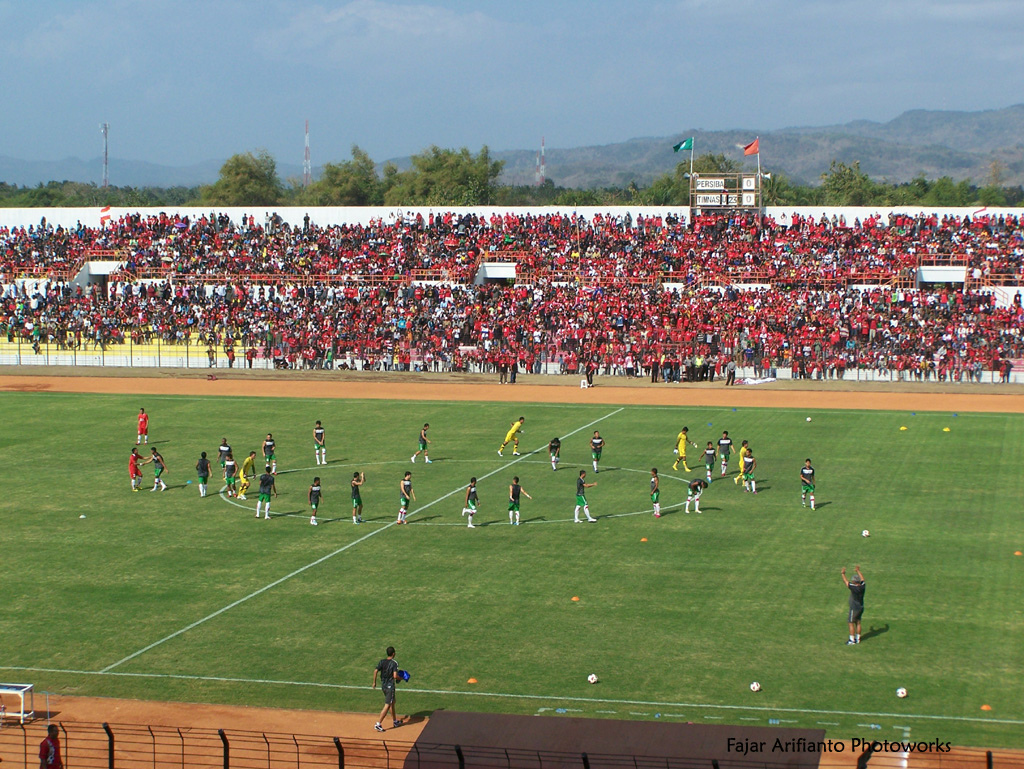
[[932, 144]]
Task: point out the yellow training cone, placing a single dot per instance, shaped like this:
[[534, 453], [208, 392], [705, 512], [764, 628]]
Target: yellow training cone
[[903, 428], [945, 429]]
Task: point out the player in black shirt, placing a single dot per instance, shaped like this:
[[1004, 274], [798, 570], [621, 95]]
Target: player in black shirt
[[695, 488], [388, 669], [268, 486], [807, 483], [709, 460], [554, 452], [725, 450], [222, 451], [856, 586], [319, 446], [358, 479], [514, 490], [596, 447], [581, 498], [408, 495], [203, 471], [315, 495], [470, 502]]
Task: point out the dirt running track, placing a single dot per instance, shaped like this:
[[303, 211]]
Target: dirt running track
[[405, 386], [910, 396]]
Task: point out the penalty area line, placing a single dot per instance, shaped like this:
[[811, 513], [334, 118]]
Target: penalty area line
[[537, 697], [330, 555]]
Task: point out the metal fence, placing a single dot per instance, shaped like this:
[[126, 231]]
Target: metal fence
[[20, 351], [87, 745]]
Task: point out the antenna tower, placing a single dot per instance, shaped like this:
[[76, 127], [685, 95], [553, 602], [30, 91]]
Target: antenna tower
[[542, 166], [105, 130], [307, 165]]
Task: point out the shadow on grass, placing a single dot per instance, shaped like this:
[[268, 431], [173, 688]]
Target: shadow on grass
[[875, 631]]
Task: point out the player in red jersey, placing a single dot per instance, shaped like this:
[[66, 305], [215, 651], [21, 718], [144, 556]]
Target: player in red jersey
[[134, 471], [143, 428]]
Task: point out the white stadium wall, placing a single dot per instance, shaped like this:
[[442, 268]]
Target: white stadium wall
[[90, 217]]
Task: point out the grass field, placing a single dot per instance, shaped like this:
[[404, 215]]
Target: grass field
[[167, 596]]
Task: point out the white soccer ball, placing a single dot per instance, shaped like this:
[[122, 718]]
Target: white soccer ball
[[808, 419], [755, 687], [865, 533], [901, 692], [592, 678]]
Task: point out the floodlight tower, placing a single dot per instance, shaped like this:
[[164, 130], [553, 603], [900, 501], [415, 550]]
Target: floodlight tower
[[307, 165], [105, 130]]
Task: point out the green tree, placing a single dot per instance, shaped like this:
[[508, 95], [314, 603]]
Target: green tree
[[776, 190], [710, 163], [446, 177], [246, 180], [845, 185], [992, 196], [946, 192], [352, 183], [571, 197]]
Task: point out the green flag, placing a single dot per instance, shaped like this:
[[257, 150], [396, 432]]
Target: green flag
[[686, 144]]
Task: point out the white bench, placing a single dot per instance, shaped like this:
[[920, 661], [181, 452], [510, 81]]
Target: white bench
[[20, 691]]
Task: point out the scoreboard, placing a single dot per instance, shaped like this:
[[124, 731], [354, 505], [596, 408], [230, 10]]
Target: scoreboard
[[724, 191]]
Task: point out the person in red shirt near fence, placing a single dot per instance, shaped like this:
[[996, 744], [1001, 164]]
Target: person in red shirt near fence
[[49, 750]]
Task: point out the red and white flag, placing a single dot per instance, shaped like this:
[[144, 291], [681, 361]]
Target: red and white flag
[[753, 148], [104, 215]]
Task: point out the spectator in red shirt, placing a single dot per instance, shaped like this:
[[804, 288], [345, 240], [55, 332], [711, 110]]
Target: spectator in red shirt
[[49, 749]]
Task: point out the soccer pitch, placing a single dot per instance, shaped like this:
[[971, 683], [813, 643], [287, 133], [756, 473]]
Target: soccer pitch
[[171, 597]]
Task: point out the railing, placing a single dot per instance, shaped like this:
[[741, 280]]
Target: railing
[[63, 272], [943, 260], [104, 255], [260, 278], [997, 279], [528, 270], [131, 746]]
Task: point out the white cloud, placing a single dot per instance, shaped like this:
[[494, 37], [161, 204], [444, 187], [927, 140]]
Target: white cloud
[[361, 26]]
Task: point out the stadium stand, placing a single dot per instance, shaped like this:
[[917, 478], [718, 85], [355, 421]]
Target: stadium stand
[[922, 297]]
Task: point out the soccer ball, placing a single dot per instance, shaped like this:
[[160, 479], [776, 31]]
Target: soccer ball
[[755, 687], [592, 678], [901, 692], [865, 533], [808, 419]]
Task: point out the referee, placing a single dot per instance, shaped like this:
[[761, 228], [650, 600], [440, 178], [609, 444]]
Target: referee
[[856, 586]]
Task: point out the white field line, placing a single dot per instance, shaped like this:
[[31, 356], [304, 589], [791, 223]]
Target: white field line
[[330, 555], [539, 697]]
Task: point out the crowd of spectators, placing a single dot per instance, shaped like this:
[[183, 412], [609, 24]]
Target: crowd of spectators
[[743, 248], [593, 300], [630, 330]]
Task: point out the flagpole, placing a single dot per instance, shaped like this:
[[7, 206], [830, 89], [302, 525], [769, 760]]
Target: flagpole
[[758, 140], [693, 139]]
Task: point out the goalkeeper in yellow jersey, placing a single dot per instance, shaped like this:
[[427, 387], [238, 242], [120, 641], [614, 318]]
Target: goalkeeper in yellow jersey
[[680, 451], [744, 451], [248, 473]]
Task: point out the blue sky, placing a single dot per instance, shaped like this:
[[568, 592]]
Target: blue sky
[[183, 81]]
